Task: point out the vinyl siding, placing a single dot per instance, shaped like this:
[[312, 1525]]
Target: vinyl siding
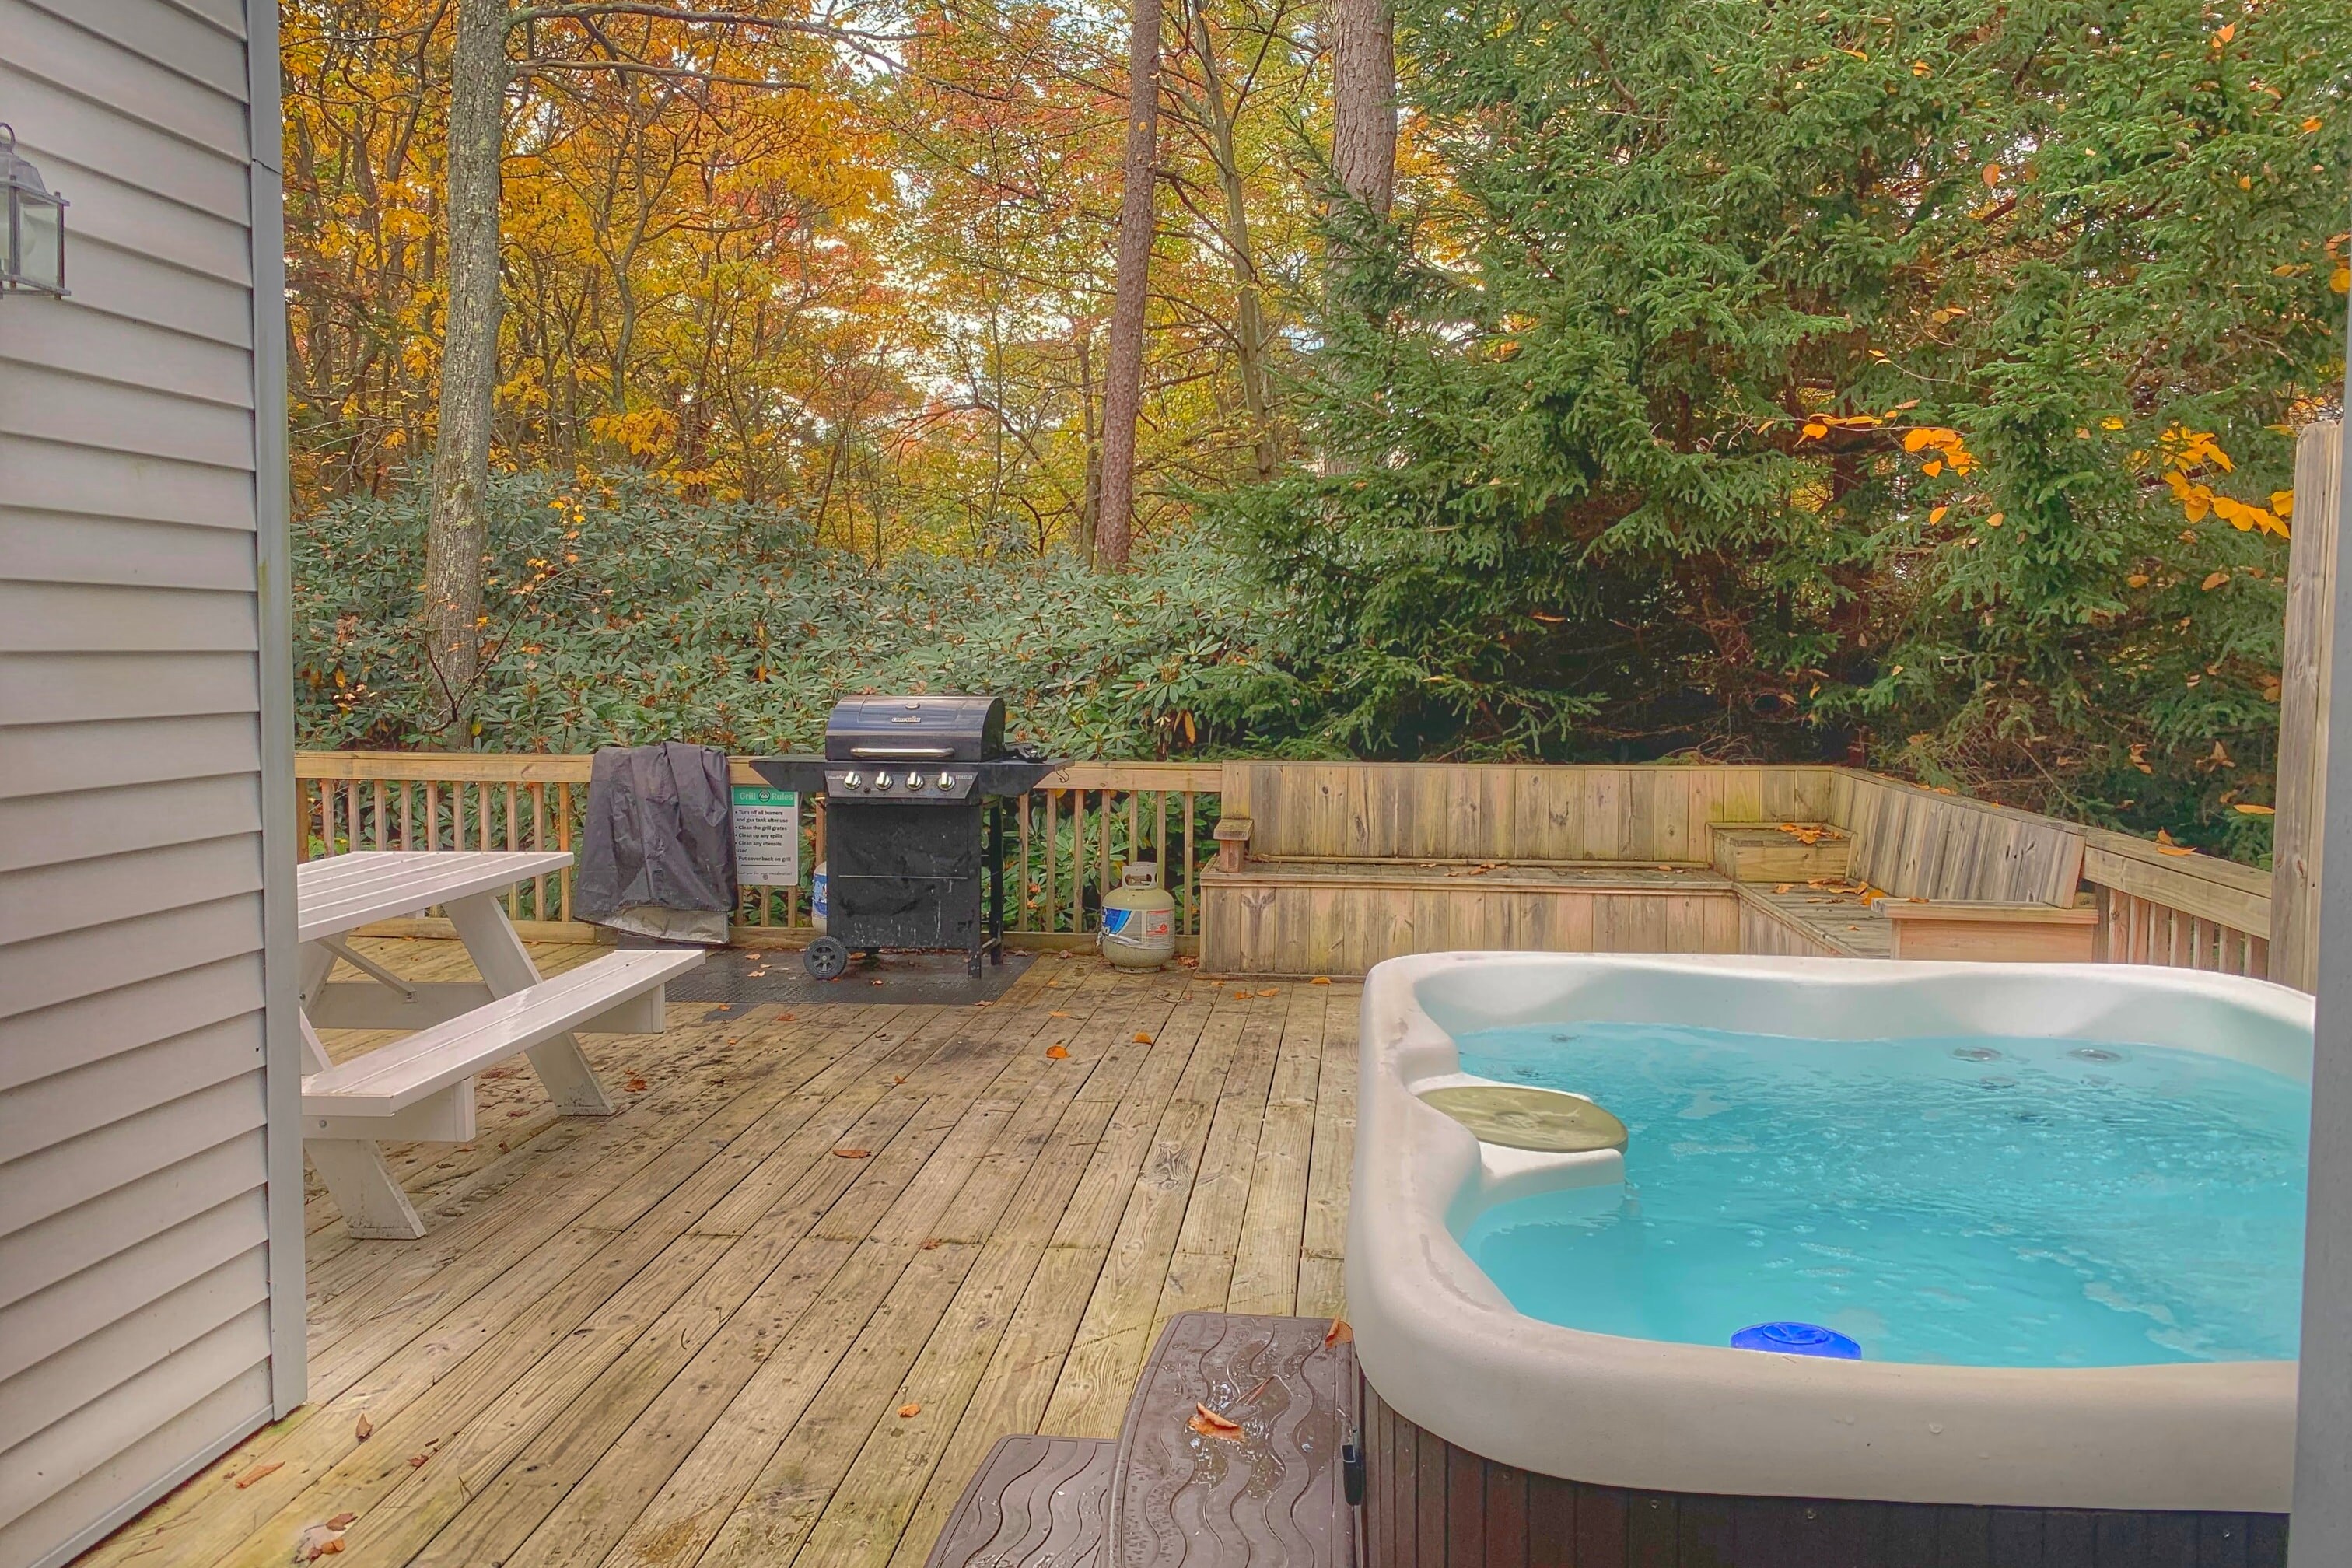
[[148, 1274]]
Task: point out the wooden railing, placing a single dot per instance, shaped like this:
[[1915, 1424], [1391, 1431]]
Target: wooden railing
[[1064, 840], [1067, 840], [2166, 906]]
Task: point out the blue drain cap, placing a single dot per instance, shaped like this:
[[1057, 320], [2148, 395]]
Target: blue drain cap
[[1797, 1339]]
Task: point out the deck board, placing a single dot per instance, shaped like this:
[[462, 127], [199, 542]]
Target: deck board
[[682, 1334]]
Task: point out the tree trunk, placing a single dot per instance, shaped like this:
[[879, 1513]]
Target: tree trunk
[[457, 536], [1131, 285], [1249, 320], [1363, 102]]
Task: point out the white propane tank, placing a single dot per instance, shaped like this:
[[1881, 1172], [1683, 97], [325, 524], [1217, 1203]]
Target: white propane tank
[[817, 900], [1139, 920]]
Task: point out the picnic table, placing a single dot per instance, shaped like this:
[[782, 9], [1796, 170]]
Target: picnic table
[[420, 1088]]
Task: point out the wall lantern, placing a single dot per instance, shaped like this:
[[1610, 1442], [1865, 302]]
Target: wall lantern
[[33, 239]]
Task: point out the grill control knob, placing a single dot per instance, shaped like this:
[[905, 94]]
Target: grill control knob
[[881, 781], [913, 781], [852, 780], [947, 781]]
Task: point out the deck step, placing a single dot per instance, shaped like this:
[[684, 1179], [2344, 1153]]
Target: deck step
[[1276, 1496], [1037, 1502]]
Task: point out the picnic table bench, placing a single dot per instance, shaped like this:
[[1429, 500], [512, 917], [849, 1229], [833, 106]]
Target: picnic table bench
[[420, 1088]]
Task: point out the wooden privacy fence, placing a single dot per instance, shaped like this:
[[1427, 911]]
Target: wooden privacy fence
[[1067, 840], [1064, 840]]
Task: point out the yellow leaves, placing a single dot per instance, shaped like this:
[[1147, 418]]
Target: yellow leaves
[[2187, 451], [1918, 67], [1995, 519], [2111, 423], [1932, 468], [2136, 580], [2212, 581], [2139, 757], [1821, 425], [1855, 54], [1992, 176], [1936, 514], [2310, 125], [2224, 33], [2251, 809], [2167, 845], [2340, 280], [2282, 502]]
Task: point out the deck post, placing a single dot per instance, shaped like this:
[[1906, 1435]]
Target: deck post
[[2320, 1532]]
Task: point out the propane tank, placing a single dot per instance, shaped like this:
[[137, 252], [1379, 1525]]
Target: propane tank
[[1139, 920], [817, 900]]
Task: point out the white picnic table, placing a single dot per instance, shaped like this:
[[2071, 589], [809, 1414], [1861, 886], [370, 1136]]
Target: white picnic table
[[420, 1088]]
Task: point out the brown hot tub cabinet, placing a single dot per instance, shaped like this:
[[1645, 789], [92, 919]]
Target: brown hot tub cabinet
[[1428, 1504]]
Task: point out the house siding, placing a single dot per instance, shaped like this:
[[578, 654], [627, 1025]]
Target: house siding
[[150, 1161]]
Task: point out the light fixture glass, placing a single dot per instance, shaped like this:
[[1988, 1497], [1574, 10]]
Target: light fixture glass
[[32, 243]]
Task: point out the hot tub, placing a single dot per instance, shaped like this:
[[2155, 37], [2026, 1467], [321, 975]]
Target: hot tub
[[1488, 1426]]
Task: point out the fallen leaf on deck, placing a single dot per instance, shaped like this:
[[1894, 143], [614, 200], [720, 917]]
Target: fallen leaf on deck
[[416, 1461], [1339, 1333], [1241, 996], [1058, 1053], [1320, 980], [908, 1412], [1209, 1424], [1141, 1038], [342, 1521], [258, 1471], [930, 1244], [1782, 886], [518, 1113], [878, 983], [318, 1541], [1057, 1015], [364, 1429], [853, 1153], [899, 1079], [636, 1085], [1271, 991], [786, 1017]]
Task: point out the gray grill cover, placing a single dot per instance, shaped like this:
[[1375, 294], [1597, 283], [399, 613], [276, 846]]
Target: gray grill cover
[[658, 856]]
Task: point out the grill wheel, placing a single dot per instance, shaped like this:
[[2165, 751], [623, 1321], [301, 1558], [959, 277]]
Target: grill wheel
[[826, 958]]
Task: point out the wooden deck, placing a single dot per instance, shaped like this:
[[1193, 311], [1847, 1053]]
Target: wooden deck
[[776, 1310]]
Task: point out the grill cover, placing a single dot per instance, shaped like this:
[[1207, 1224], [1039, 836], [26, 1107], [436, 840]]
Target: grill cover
[[915, 729]]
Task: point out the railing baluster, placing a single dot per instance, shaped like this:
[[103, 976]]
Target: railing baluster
[[1192, 907], [563, 841]]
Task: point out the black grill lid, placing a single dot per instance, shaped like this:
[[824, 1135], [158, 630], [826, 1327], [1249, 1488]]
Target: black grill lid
[[915, 728]]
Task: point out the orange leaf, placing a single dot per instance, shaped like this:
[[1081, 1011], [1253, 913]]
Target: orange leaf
[[2253, 810], [1058, 1053], [1241, 996], [1933, 466], [1320, 980], [1936, 515], [257, 1472], [908, 1411], [1209, 1424], [1995, 520], [1783, 887], [636, 1085], [853, 1153], [1815, 431], [342, 1521], [1141, 1038], [2213, 580], [416, 1461], [1057, 1015], [1271, 991], [1992, 176], [363, 1428], [1339, 1333]]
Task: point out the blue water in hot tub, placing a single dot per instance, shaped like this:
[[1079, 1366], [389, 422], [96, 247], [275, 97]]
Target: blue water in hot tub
[[1982, 1201]]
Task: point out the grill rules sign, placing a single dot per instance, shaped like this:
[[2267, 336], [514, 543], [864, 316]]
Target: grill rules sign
[[767, 837]]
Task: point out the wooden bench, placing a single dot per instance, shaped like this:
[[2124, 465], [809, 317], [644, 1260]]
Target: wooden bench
[[1329, 868], [419, 1087]]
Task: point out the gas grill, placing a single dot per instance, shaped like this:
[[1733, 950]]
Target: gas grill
[[907, 782]]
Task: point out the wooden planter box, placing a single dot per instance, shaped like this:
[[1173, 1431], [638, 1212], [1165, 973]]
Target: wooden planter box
[[1997, 933]]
